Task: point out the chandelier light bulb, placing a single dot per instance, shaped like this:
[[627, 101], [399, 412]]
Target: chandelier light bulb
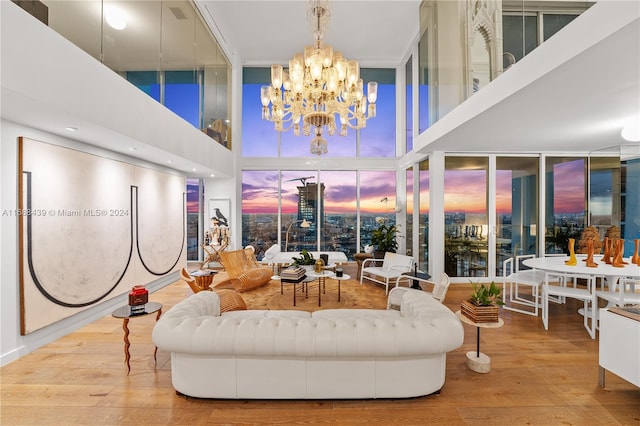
[[353, 72], [276, 76], [372, 92], [265, 96]]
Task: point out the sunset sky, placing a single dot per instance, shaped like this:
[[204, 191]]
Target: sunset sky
[[465, 191], [260, 139]]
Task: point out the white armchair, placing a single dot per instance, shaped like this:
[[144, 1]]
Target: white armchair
[[384, 270], [438, 290]]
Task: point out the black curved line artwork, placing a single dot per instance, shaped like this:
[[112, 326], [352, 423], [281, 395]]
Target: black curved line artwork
[[138, 239], [32, 269]]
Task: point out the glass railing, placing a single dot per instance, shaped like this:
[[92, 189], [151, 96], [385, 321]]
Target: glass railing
[[454, 62], [162, 47]]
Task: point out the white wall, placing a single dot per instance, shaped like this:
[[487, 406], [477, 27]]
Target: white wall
[[13, 345], [47, 83]]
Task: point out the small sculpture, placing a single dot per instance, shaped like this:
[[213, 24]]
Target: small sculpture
[[572, 254], [618, 255], [608, 250], [589, 260]]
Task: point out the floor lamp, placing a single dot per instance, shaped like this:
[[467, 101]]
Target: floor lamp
[[304, 224]]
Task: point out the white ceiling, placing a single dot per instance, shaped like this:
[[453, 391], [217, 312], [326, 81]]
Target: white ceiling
[[375, 32], [579, 106]]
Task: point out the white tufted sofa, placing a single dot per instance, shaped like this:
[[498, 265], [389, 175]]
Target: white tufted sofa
[[330, 354]]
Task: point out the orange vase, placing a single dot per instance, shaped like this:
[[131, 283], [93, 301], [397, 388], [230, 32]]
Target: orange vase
[[606, 258], [589, 260], [572, 253], [635, 258], [618, 255]]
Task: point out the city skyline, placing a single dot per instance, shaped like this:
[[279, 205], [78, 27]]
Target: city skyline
[[465, 191]]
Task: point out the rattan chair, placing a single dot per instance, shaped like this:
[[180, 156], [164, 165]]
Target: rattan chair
[[191, 281], [243, 271]]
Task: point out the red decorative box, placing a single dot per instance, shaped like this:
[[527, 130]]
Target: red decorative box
[[138, 295]]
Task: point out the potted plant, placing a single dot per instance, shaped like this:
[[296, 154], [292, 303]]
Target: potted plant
[[305, 259], [385, 239], [483, 305]]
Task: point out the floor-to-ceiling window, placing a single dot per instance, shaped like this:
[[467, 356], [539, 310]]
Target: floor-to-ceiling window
[[424, 102], [340, 212], [516, 207], [409, 215], [376, 140], [466, 222], [317, 210], [423, 224], [260, 209], [377, 201], [194, 217], [408, 75], [525, 25], [604, 204], [302, 200], [565, 201], [378, 137]]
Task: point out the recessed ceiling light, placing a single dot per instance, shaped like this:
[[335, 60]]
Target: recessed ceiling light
[[115, 17], [194, 169], [72, 129], [212, 175], [170, 161], [132, 149], [631, 129]]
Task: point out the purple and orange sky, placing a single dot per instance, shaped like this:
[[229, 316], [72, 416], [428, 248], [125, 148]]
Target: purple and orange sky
[[260, 139], [465, 190]]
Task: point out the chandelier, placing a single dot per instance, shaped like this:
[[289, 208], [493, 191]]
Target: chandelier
[[319, 88]]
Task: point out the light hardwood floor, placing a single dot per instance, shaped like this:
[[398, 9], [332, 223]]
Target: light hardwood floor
[[538, 377]]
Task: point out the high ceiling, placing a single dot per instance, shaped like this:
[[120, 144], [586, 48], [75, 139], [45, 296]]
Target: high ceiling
[[580, 105], [375, 32], [572, 94]]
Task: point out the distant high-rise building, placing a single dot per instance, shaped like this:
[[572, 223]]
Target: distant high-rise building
[[310, 203]]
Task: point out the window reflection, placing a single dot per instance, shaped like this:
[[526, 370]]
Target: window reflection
[[565, 202], [516, 208], [465, 212]]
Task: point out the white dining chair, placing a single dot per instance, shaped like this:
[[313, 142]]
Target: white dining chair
[[625, 293], [514, 276], [587, 295]]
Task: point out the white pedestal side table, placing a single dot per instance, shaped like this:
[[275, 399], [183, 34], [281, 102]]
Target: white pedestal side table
[[476, 360]]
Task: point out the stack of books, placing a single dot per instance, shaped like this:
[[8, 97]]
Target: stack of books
[[293, 272]]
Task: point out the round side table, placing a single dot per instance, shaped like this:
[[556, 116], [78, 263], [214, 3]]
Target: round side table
[[124, 312], [476, 360], [340, 278]]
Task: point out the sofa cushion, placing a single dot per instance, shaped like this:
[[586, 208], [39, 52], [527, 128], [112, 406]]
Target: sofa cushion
[[189, 327], [259, 314], [355, 313]]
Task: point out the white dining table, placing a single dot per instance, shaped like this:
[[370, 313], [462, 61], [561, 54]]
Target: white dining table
[[610, 273]]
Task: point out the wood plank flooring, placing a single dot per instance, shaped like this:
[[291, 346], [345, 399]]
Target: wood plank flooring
[[538, 377]]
